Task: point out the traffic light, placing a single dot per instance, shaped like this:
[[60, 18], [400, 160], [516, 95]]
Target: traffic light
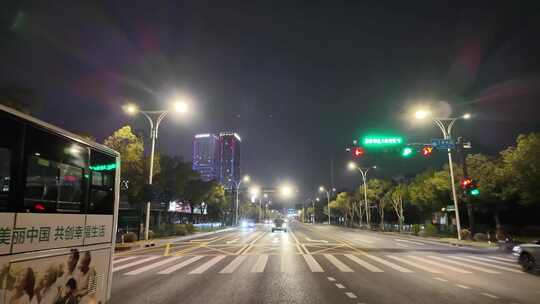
[[470, 186], [407, 152], [473, 190], [358, 152], [427, 150], [466, 183]]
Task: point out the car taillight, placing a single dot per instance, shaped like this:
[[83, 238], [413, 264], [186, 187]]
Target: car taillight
[[39, 207]]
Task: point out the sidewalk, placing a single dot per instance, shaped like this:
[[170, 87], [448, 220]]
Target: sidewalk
[[142, 245]]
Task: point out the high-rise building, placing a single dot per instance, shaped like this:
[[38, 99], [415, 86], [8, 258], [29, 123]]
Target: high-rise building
[[206, 156], [229, 172]]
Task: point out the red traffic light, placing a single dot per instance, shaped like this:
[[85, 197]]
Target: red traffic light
[[358, 152], [466, 183], [427, 150]]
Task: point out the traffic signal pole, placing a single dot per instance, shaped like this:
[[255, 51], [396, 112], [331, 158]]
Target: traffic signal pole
[[470, 207]]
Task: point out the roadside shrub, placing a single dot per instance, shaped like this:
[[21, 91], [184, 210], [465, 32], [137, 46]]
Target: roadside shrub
[[130, 237], [151, 234], [190, 228], [465, 234], [480, 237], [415, 229], [180, 229], [430, 230]]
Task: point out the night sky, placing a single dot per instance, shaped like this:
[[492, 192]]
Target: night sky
[[297, 80]]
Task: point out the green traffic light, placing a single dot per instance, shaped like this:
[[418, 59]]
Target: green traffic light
[[475, 192], [407, 152]]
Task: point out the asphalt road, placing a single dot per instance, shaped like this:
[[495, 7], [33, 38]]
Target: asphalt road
[[319, 264]]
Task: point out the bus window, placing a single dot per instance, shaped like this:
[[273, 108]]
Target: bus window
[[10, 145], [52, 186], [5, 165], [102, 169], [54, 173]]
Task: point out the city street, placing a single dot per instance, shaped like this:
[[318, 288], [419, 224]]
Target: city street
[[318, 264]]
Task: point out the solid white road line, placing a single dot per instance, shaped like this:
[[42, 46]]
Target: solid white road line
[[404, 261], [181, 265], [489, 295], [410, 242], [234, 264], [363, 263], [204, 267], [389, 264], [340, 286], [260, 264], [312, 264], [135, 263], [503, 259], [152, 266], [459, 270], [119, 260], [339, 265], [487, 264], [495, 261], [463, 264], [351, 295], [440, 279]]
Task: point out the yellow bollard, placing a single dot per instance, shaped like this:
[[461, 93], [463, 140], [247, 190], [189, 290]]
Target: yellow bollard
[[167, 249]]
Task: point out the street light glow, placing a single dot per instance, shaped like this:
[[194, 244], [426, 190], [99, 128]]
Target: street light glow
[[181, 107], [351, 166], [321, 189], [130, 109], [421, 114], [246, 179], [286, 190], [254, 191], [466, 115]]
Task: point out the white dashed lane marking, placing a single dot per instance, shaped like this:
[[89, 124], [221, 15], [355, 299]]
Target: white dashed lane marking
[[351, 295], [340, 286]]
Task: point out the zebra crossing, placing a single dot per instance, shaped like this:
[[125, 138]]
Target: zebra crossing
[[359, 262]]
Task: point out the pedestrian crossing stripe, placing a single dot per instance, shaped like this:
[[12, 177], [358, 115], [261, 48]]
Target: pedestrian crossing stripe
[[342, 262]]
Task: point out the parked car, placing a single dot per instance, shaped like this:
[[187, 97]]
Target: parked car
[[528, 255]]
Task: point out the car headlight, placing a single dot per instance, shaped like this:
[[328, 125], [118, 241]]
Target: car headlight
[[517, 249], [273, 224], [244, 224], [284, 225]]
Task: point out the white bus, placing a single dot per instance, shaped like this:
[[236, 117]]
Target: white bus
[[58, 213]]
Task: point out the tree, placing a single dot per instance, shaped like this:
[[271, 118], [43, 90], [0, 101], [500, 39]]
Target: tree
[[396, 195], [377, 189], [216, 201], [522, 165], [173, 177], [430, 190], [131, 149]]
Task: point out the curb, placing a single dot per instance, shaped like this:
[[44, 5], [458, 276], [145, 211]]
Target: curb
[[159, 243]]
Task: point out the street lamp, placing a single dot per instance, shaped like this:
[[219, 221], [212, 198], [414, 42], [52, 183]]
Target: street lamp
[[446, 124], [364, 172], [255, 191], [244, 179], [323, 190], [154, 119]]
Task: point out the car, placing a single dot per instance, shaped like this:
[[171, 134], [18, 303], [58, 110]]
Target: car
[[279, 224], [528, 255], [247, 224]]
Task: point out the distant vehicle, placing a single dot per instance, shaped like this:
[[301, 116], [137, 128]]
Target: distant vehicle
[[528, 255], [247, 224], [279, 224], [268, 222]]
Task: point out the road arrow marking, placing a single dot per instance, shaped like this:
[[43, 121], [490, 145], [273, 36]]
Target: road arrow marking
[[203, 240], [316, 241], [232, 241]]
